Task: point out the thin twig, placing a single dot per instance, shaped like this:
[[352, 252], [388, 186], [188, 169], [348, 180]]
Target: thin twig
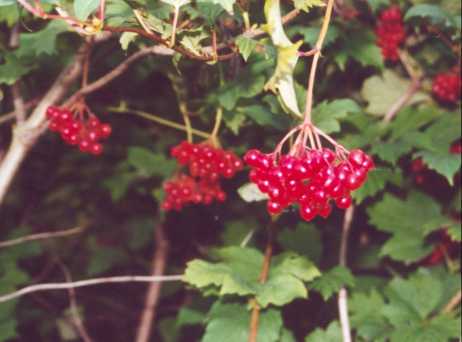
[[402, 101], [416, 82], [88, 282], [314, 64], [18, 101], [75, 315], [453, 302], [343, 294], [255, 315], [159, 120], [111, 75], [152, 296], [41, 236]]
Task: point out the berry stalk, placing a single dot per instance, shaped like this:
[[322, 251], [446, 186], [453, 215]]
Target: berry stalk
[[314, 65]]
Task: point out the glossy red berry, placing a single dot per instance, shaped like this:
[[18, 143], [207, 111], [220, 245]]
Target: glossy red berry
[[343, 202]]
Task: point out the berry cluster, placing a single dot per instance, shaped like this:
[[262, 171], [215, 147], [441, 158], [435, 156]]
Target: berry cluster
[[184, 189], [207, 162], [312, 179], [390, 32], [206, 165], [77, 131], [446, 87]]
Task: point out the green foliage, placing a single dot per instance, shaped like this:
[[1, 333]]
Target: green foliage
[[361, 47], [434, 13], [404, 246], [83, 8], [409, 221], [246, 46], [332, 281], [381, 92], [230, 322], [326, 115], [406, 312], [332, 333], [238, 271]]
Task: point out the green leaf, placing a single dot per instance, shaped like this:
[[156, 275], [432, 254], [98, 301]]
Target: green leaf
[[332, 281], [246, 46], [306, 5], [263, 116], [43, 41], [149, 163], [446, 164], [391, 151], [326, 115], [237, 273], [226, 4], [229, 322], [333, 333], [409, 221], [192, 41], [304, 240], [360, 46], [366, 315], [455, 232], [12, 69], [421, 292], [83, 8], [376, 181], [436, 153], [250, 192], [435, 13], [381, 92]]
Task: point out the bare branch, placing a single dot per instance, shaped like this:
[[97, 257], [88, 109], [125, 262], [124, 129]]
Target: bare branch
[[41, 236], [343, 294], [88, 282], [18, 100], [114, 73], [152, 296], [76, 319]]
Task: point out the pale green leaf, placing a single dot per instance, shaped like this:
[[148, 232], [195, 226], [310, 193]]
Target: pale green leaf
[[381, 92], [83, 8], [306, 5], [246, 46], [126, 38], [250, 192]]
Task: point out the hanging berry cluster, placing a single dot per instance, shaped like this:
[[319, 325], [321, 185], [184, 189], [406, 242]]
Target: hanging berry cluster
[[309, 176], [390, 32], [206, 166], [446, 87], [84, 132]]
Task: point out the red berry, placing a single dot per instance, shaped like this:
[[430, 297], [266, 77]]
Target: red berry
[[343, 202], [273, 207], [307, 212]]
